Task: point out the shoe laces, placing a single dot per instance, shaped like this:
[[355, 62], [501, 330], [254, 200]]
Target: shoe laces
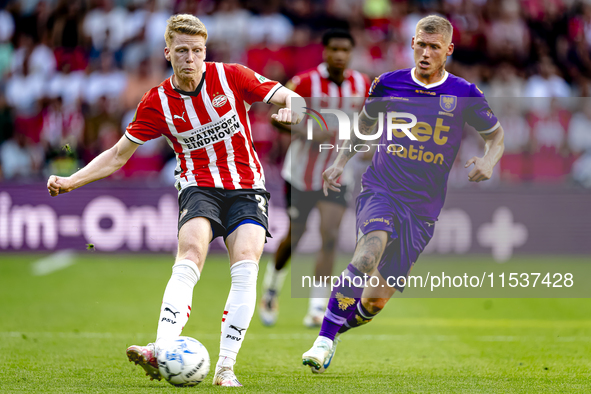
[[226, 373]]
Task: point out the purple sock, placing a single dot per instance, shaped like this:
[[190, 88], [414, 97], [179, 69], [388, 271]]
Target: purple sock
[[342, 303], [358, 318]]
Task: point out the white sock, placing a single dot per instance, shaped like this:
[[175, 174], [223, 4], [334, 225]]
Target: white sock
[[178, 296], [274, 279], [239, 308], [318, 299], [225, 362]]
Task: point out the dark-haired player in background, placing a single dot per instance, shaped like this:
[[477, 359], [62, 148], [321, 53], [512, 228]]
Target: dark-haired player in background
[[403, 193], [332, 85]]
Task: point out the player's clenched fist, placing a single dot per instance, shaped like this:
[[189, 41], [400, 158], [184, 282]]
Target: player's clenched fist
[[287, 116], [58, 185], [330, 177], [482, 170]]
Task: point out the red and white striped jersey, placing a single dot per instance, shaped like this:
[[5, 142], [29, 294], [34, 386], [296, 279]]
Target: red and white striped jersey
[[304, 163], [208, 130]]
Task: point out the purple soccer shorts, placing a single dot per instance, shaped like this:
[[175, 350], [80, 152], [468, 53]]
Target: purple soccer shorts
[[409, 234]]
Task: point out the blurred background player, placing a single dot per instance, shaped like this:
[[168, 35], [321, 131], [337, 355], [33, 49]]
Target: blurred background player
[[330, 85], [201, 110], [397, 210]]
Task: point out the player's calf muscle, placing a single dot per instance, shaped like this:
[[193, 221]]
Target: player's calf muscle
[[374, 305]]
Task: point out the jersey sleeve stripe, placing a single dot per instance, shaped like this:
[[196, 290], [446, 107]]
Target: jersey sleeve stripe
[[272, 92], [496, 126], [133, 139]]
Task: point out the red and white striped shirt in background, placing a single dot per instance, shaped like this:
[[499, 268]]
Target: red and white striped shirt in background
[[209, 130], [304, 163]]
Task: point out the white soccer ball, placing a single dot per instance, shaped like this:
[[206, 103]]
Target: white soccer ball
[[183, 361]]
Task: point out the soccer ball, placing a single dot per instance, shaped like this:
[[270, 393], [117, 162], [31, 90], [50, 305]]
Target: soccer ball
[[183, 361]]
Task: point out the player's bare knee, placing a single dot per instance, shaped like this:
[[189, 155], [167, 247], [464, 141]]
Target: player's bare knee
[[194, 254], [374, 305], [247, 253], [328, 245], [329, 238]]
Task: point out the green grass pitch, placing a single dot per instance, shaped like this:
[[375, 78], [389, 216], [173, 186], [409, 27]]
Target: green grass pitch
[[68, 331]]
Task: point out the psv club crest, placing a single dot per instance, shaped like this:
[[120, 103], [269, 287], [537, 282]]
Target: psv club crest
[[448, 102], [219, 101]]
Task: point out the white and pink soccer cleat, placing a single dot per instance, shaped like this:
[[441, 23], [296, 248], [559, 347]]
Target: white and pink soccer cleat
[[145, 356], [224, 376]]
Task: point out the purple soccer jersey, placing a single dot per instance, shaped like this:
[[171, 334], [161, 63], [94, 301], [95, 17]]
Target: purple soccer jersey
[[403, 192], [417, 176]]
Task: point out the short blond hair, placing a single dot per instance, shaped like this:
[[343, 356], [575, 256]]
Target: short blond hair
[[434, 24], [184, 24]]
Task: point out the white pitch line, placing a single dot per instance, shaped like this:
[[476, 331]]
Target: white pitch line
[[294, 336], [54, 262]]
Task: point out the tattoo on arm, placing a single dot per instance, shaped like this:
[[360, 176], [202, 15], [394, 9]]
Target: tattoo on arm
[[368, 253]]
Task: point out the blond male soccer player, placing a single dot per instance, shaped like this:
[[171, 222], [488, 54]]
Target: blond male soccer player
[[202, 112], [335, 86], [403, 193]]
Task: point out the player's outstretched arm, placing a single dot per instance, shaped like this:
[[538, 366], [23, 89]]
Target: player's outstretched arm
[[493, 151], [287, 114], [100, 167], [332, 173]]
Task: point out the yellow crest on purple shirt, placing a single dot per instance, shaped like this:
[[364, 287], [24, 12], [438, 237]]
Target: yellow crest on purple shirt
[[344, 302], [448, 102]]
